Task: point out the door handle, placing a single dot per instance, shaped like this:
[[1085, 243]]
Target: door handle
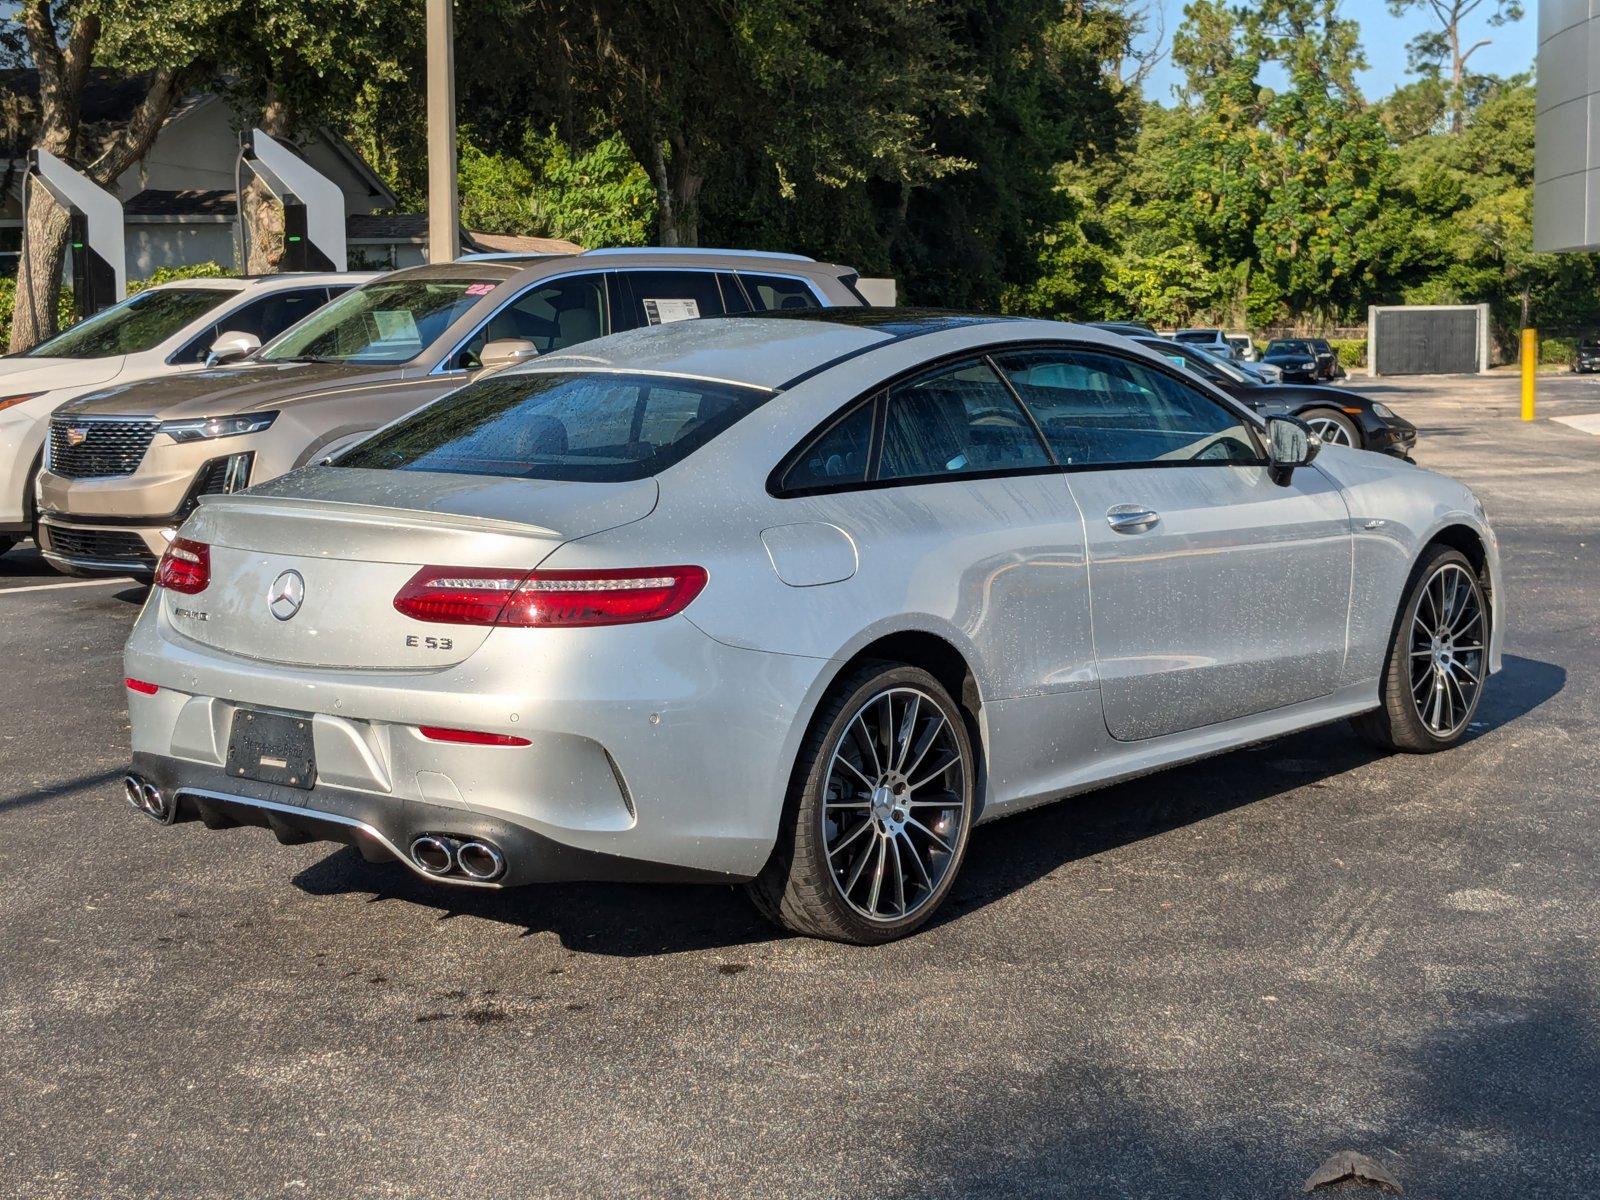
[[1131, 518]]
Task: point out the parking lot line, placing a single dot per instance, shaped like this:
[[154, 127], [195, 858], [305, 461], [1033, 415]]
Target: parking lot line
[[1587, 422], [73, 583]]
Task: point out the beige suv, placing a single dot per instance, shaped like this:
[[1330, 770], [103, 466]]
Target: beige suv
[[124, 466]]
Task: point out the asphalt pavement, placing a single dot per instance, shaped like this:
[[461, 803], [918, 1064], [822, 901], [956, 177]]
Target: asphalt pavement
[[1200, 984]]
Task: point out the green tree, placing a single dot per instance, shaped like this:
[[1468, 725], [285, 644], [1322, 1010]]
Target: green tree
[[1445, 49]]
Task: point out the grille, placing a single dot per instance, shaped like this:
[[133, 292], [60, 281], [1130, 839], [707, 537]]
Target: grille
[[114, 447], [101, 545]]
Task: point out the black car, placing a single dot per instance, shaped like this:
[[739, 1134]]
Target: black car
[[1327, 358], [1587, 356], [1295, 357], [1338, 416]]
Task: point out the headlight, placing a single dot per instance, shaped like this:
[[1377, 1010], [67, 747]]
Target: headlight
[[200, 429], [1384, 411], [8, 401]]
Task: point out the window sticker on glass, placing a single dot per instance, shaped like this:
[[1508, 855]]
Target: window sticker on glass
[[479, 289], [396, 325], [661, 312]]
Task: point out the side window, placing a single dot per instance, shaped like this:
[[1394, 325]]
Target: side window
[[552, 317], [733, 299], [266, 318], [659, 297], [771, 292], [1099, 409], [838, 455], [957, 420]]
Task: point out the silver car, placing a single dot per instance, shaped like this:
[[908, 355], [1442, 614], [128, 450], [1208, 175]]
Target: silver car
[[791, 600]]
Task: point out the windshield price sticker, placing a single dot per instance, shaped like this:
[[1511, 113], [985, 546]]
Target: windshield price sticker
[[664, 312], [480, 289]]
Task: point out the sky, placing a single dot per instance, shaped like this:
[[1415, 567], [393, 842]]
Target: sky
[[1384, 39]]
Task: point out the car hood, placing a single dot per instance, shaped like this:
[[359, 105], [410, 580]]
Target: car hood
[[222, 391], [44, 374], [1289, 360]]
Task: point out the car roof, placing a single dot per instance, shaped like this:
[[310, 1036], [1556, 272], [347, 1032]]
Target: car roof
[[527, 267], [275, 282], [776, 349]]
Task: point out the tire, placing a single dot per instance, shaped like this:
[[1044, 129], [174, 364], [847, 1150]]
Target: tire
[[1450, 674], [912, 829], [1332, 426]]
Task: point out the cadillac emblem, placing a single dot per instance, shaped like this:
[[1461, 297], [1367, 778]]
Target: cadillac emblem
[[77, 436]]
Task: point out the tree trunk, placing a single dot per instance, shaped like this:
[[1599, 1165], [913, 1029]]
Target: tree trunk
[[666, 217], [39, 271], [1458, 78], [262, 211], [685, 179]]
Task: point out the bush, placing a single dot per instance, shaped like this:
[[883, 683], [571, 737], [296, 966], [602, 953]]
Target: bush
[[1556, 351], [204, 270], [1352, 352]]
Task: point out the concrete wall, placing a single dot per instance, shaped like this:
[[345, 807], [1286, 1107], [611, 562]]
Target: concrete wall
[[1566, 191]]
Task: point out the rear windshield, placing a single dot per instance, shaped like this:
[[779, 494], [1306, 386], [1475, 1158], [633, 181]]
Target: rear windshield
[[595, 427], [382, 322], [137, 324]]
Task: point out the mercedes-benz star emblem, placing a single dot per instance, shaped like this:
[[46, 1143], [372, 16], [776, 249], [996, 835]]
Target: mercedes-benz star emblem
[[286, 595]]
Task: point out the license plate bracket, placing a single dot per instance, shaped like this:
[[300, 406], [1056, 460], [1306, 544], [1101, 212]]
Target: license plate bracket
[[272, 748]]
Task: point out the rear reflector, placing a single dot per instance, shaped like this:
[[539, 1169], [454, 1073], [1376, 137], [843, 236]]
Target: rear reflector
[[548, 599], [470, 737], [185, 567], [140, 686]]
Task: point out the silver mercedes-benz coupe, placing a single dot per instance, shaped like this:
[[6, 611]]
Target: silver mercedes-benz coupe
[[791, 600]]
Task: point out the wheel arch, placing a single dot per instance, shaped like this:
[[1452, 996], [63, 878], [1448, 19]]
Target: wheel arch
[[932, 652]]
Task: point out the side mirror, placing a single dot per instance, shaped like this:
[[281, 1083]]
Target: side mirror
[[1290, 444], [231, 347], [506, 352]]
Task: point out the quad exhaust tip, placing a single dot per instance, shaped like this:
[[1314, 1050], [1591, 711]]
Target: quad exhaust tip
[[438, 855], [148, 799], [481, 861], [435, 855]]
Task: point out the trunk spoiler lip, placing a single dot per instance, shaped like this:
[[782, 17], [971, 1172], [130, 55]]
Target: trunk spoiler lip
[[370, 514]]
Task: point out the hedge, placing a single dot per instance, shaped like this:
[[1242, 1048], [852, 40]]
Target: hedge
[[1352, 352]]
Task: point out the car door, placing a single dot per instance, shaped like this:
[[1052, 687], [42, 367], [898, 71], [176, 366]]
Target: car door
[[957, 510], [1215, 591], [553, 315]]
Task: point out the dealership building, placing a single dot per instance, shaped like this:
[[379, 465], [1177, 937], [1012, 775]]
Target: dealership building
[[1566, 173]]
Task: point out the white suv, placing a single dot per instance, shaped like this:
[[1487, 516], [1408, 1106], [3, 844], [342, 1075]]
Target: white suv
[[162, 330]]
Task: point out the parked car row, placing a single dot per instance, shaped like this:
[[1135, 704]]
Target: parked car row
[[1306, 360], [126, 464], [688, 565]]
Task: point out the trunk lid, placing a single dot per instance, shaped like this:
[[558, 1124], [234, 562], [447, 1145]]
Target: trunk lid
[[355, 537]]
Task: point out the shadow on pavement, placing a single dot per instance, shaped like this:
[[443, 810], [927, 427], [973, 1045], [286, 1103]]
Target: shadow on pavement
[[634, 919], [56, 791], [1495, 1100]]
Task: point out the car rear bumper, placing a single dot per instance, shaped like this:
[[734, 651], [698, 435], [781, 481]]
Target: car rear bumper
[[384, 829], [649, 745]]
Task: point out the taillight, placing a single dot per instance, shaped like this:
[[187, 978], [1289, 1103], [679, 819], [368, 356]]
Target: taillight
[[549, 599], [457, 595], [140, 686], [185, 567], [470, 737]]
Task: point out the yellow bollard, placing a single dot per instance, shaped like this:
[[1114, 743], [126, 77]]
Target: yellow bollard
[[1530, 370]]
